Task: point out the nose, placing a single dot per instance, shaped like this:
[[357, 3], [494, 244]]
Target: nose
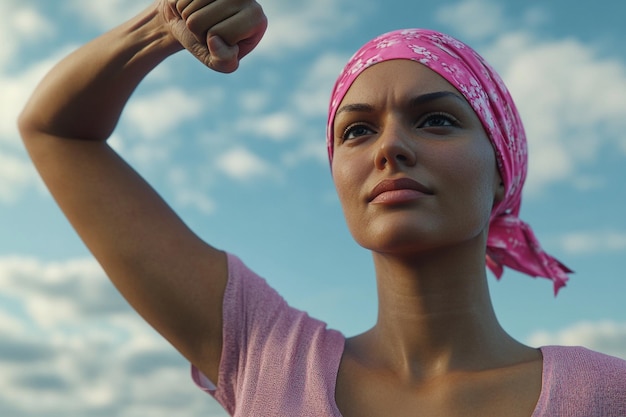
[[395, 148]]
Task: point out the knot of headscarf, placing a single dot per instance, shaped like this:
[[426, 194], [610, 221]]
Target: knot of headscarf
[[511, 242]]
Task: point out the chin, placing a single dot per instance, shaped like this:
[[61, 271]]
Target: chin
[[402, 242], [407, 241]]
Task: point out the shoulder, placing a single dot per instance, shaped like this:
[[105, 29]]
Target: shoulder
[[276, 359], [262, 322], [577, 378], [578, 358], [248, 299]]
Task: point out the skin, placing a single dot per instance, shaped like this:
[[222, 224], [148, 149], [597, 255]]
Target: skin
[[437, 346], [173, 279], [436, 339]]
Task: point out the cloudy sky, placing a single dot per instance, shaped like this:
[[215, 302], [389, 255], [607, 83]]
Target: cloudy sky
[[241, 158]]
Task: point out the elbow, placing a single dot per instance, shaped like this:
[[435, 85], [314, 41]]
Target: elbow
[[31, 127], [26, 125]]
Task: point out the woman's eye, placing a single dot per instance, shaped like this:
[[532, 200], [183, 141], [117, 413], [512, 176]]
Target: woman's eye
[[439, 120], [356, 131]]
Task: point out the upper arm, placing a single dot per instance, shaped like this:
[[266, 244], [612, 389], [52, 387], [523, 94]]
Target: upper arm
[[169, 275]]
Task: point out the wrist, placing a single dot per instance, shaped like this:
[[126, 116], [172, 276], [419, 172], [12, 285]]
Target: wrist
[[150, 36]]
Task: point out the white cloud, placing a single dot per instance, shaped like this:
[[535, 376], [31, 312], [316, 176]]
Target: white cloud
[[16, 171], [74, 344], [481, 19], [241, 164], [29, 23], [303, 111], [97, 377], [310, 99], [580, 243], [589, 182], [58, 292], [254, 101], [16, 89], [306, 22], [188, 193], [276, 126], [535, 16], [573, 103], [16, 174], [607, 337], [307, 150], [473, 18], [19, 24], [106, 14], [149, 155], [298, 25], [196, 200], [8, 324], [572, 99], [156, 113]]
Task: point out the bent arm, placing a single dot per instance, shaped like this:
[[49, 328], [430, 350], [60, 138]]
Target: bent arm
[[170, 276]]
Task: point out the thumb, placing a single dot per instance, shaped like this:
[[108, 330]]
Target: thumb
[[223, 57]]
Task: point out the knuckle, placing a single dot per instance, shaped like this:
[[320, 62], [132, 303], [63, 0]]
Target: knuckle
[[179, 5], [257, 13], [194, 24], [187, 15]]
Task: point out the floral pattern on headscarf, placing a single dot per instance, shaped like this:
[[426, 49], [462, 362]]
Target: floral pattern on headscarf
[[511, 242]]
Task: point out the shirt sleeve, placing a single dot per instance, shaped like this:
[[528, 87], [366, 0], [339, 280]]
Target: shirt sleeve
[[245, 292], [272, 353], [579, 382]]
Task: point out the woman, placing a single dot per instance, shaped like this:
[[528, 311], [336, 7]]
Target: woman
[[428, 157]]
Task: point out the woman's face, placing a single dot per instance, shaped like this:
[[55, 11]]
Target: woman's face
[[412, 165]]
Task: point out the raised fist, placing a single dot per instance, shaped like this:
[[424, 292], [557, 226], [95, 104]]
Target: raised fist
[[217, 32]]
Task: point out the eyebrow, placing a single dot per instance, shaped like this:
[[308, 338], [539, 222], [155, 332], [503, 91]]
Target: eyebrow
[[414, 102]]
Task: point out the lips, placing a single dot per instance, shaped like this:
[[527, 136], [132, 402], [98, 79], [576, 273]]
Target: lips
[[399, 188]]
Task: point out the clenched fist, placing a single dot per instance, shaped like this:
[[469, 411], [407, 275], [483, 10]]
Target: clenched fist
[[217, 32]]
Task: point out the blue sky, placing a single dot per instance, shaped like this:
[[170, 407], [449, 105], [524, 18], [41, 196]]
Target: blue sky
[[241, 158]]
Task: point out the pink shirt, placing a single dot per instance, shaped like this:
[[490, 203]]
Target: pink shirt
[[278, 361]]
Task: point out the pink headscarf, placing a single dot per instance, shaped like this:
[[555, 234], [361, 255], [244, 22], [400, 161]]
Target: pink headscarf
[[511, 242]]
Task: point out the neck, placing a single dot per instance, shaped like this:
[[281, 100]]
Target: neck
[[435, 316]]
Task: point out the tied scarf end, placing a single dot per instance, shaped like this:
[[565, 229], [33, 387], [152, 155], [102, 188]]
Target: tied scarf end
[[558, 274], [546, 267], [495, 267], [512, 243]]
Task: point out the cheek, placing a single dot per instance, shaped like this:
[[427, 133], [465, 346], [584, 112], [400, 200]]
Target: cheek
[[475, 175], [348, 180], [342, 180], [349, 170]]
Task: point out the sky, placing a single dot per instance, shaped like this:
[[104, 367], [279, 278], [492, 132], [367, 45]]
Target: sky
[[241, 158]]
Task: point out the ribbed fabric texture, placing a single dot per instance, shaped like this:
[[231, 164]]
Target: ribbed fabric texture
[[578, 382], [278, 361]]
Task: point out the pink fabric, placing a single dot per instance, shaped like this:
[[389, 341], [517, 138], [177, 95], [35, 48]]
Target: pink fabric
[[578, 382], [278, 361], [511, 241]]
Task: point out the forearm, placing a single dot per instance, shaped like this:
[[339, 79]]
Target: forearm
[[84, 95], [171, 277]]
